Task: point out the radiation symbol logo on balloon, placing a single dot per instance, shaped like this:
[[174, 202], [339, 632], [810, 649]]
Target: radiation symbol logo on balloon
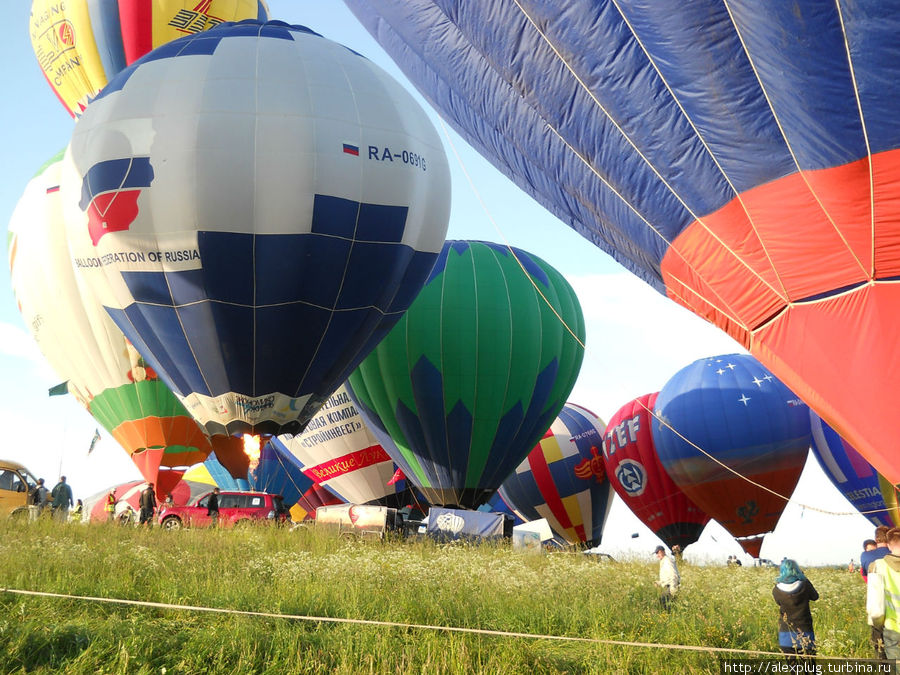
[[632, 477]]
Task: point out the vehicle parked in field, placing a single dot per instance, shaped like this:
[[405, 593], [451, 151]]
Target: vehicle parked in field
[[16, 484], [359, 520], [235, 509]]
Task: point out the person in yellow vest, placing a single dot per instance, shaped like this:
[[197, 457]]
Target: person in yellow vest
[[883, 595], [110, 506]]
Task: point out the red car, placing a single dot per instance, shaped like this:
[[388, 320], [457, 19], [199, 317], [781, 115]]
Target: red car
[[235, 508]]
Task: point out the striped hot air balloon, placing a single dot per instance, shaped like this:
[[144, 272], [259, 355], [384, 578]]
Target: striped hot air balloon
[[81, 44], [475, 372], [563, 479]]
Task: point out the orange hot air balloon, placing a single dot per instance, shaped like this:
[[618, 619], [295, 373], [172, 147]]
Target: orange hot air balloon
[[743, 158]]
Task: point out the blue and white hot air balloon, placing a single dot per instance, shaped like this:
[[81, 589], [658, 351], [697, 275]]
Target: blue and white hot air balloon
[[255, 206]]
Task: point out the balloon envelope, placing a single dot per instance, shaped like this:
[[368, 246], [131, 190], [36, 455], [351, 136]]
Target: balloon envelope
[[339, 451], [563, 480], [638, 477], [741, 157], [81, 44], [474, 373], [102, 369], [260, 237], [733, 409], [853, 476]]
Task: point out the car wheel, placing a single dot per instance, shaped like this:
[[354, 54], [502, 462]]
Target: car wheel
[[171, 523]]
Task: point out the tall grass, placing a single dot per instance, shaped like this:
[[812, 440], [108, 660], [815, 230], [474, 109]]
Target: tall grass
[[308, 573]]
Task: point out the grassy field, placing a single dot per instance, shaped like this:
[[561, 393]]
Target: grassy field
[[306, 573]]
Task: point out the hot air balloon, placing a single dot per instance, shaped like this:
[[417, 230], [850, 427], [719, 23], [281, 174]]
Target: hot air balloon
[[869, 492], [563, 479], [638, 477], [732, 409], [338, 451], [104, 371], [81, 44], [737, 156], [260, 237], [475, 372]]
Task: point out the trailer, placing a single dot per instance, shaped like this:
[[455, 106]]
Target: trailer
[[360, 520]]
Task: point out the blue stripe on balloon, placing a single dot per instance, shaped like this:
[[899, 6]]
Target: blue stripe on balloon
[[115, 174], [205, 43], [278, 302]]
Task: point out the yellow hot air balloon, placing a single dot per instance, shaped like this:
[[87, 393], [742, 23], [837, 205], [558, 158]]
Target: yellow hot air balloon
[[82, 44]]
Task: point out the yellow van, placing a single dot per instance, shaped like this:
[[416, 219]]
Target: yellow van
[[16, 483]]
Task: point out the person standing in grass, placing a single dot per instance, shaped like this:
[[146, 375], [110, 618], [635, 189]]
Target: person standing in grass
[[212, 507], [148, 505], [669, 579], [62, 499], [110, 506], [39, 498], [793, 592], [866, 559], [883, 596]]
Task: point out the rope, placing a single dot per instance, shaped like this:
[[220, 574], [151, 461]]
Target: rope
[[399, 624], [506, 243], [750, 480]]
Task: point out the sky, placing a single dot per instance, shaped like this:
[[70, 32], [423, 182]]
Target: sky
[[636, 338]]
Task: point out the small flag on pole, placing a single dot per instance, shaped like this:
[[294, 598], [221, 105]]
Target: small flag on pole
[[60, 389], [94, 440], [398, 475]]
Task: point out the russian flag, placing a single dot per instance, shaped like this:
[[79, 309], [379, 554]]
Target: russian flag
[[351, 149]]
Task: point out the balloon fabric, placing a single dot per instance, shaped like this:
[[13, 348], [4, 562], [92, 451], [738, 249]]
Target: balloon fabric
[[638, 476], [260, 237], [722, 422], [475, 372], [741, 157]]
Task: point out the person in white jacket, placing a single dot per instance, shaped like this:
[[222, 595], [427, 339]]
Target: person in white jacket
[[669, 579]]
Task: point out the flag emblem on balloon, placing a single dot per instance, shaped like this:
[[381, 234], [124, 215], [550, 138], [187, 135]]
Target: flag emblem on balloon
[[110, 191], [591, 467]]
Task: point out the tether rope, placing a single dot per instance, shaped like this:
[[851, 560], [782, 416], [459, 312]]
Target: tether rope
[[400, 624]]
